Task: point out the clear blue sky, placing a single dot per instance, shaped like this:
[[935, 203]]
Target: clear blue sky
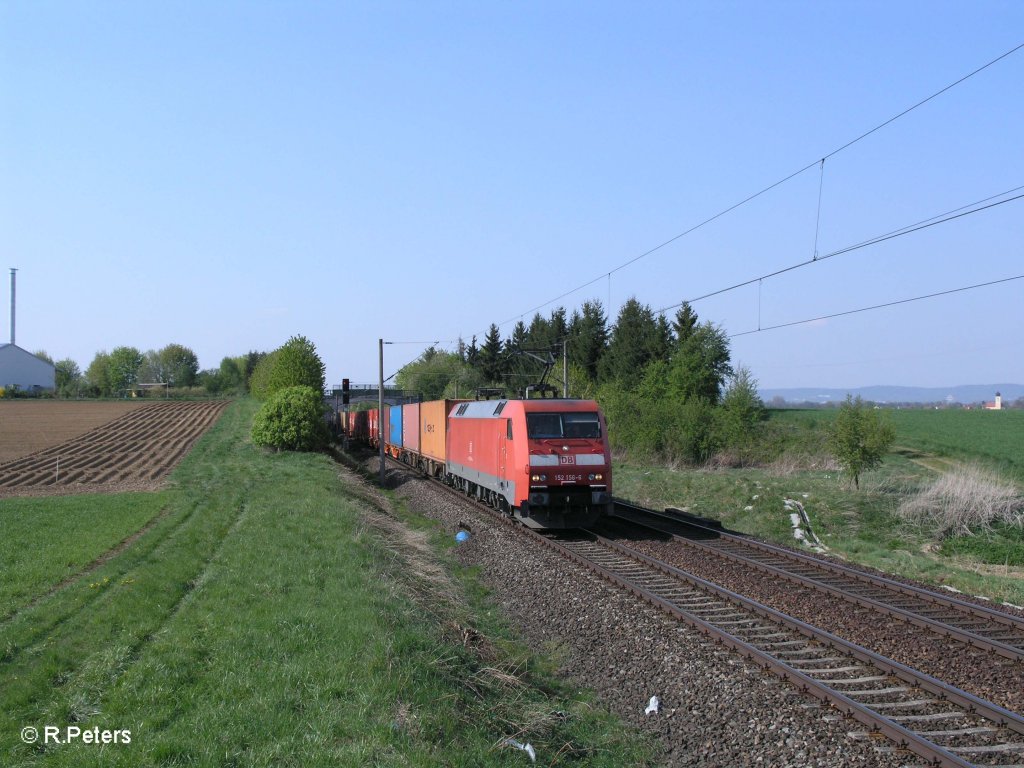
[[225, 175]]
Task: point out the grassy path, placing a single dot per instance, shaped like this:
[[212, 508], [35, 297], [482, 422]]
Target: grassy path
[[259, 620]]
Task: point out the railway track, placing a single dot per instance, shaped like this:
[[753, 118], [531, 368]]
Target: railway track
[[971, 624], [934, 720], [918, 713]]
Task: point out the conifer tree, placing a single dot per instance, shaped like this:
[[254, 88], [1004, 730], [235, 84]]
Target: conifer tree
[[588, 337], [636, 340], [490, 355], [685, 322]]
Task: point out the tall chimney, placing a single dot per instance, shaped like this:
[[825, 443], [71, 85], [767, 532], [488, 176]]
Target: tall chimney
[[13, 271]]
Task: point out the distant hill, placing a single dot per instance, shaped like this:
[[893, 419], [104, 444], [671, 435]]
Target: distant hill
[[965, 393]]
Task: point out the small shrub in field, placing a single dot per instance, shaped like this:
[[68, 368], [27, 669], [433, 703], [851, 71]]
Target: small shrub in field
[[965, 501], [859, 438], [291, 420]]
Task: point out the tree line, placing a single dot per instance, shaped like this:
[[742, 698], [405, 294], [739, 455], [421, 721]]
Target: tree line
[[668, 387], [124, 370]]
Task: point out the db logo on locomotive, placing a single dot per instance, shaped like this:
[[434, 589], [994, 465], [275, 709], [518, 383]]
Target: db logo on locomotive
[[566, 459]]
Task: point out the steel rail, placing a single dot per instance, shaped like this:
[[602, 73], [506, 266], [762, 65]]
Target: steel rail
[[937, 626], [712, 527], [902, 736], [878, 581], [1004, 717]]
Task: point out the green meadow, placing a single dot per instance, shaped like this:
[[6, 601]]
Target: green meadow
[[862, 526], [992, 438], [256, 613]]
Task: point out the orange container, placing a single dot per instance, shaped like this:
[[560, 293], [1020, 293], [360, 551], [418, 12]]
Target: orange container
[[434, 427]]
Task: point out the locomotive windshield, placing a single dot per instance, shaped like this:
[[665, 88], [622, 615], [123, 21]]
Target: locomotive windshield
[[556, 426]]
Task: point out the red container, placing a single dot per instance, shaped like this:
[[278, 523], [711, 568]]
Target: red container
[[372, 426], [358, 426], [411, 428]]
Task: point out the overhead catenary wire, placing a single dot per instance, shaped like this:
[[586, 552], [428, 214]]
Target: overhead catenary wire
[[878, 306], [817, 219], [772, 186], [962, 211], [957, 213], [896, 233]]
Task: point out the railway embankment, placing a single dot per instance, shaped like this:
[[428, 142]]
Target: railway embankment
[[268, 612], [714, 708]]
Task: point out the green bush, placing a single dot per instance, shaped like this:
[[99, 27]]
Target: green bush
[[647, 422], [291, 420], [295, 363]]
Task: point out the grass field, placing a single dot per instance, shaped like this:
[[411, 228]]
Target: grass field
[[260, 618], [862, 525], [994, 438], [47, 542]]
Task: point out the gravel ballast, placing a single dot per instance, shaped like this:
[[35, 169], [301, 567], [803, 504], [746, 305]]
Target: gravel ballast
[[716, 709], [986, 675]]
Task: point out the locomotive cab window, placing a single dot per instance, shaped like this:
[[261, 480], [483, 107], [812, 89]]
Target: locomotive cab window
[[554, 426]]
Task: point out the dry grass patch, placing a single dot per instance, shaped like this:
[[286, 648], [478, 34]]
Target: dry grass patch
[[964, 501]]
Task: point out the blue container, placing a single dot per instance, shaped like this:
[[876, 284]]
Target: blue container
[[395, 427]]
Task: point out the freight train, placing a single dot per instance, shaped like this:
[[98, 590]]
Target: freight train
[[544, 462]]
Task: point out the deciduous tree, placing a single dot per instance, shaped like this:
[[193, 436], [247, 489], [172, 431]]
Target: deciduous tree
[[432, 373], [259, 383], [124, 368], [293, 364], [742, 410], [700, 365], [67, 377], [859, 438], [179, 365], [98, 374]]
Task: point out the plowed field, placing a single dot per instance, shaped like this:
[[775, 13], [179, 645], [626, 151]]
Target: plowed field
[[27, 426], [134, 451]]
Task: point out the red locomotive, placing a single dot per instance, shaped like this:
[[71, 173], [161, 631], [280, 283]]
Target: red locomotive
[[545, 462]]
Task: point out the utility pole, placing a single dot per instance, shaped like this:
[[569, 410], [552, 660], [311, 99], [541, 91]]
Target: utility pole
[[380, 408]]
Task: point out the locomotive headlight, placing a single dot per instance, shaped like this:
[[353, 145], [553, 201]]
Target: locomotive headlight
[[598, 476], [538, 478]]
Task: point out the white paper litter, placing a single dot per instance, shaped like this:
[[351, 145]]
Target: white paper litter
[[652, 706], [527, 748]]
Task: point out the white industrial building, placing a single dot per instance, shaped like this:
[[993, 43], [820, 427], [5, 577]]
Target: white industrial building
[[20, 368]]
